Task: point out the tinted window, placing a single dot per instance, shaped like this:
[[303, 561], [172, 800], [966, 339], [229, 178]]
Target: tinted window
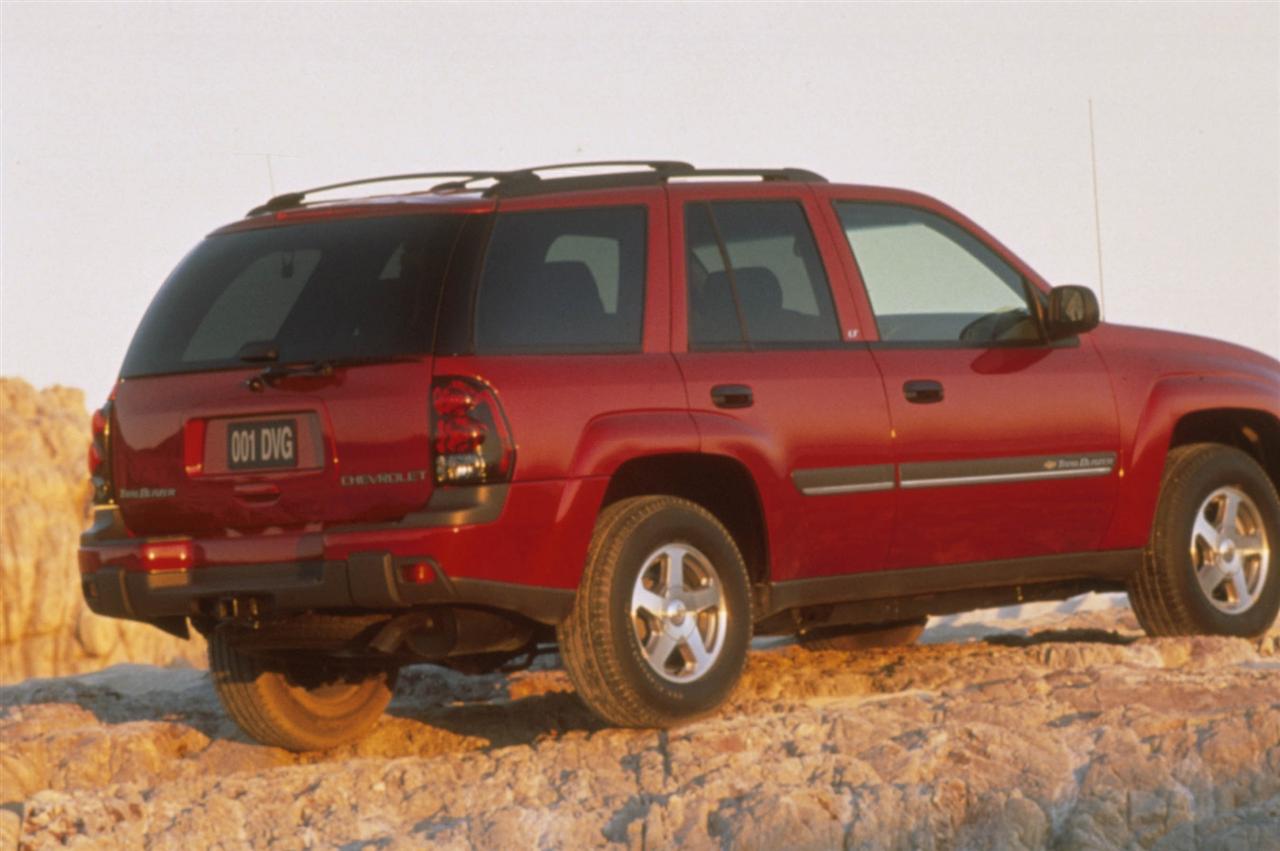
[[931, 281], [332, 290], [714, 320], [773, 289], [271, 284], [563, 281]]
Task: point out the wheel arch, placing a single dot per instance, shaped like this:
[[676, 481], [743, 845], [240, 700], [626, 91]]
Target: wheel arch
[[721, 484], [1183, 409], [1252, 431]]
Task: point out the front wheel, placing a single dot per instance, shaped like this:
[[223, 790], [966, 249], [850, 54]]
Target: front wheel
[[1210, 566], [662, 619], [297, 705]]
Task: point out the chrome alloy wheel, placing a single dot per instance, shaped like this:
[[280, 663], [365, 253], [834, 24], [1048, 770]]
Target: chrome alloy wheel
[[1230, 550], [679, 613]]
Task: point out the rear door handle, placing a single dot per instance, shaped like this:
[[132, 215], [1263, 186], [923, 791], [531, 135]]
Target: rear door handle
[[732, 396], [923, 392]]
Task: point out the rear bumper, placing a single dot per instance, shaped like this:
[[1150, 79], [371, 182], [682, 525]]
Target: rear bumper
[[516, 548], [366, 582]]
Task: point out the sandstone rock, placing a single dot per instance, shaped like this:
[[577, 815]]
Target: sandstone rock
[[45, 628]]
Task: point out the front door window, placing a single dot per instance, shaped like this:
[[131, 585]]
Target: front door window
[[929, 281]]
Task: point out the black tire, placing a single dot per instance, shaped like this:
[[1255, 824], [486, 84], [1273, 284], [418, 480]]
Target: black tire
[[296, 707], [1166, 593], [601, 640], [863, 636]]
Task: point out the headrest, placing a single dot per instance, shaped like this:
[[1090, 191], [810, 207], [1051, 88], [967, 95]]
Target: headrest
[[569, 283], [715, 284], [759, 289]]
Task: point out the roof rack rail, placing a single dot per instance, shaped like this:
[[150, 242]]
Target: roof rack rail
[[659, 166], [293, 199], [796, 175], [529, 181]]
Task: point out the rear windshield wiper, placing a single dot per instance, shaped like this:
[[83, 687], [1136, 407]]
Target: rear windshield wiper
[[315, 367], [266, 351], [322, 368]]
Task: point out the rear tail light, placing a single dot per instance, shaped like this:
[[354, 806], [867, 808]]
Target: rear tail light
[[100, 454], [471, 441]]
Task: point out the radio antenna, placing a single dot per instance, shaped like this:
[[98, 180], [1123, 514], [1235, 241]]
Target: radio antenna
[[266, 158], [1097, 218]]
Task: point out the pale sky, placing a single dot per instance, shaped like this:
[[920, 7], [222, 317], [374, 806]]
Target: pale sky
[[131, 131]]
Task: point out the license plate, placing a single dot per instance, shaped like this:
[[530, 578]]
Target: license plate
[[264, 444]]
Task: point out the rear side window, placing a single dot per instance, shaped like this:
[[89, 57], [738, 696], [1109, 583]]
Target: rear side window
[[755, 278], [563, 281], [347, 289]]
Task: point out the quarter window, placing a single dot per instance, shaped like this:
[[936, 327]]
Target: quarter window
[[755, 277], [563, 281], [931, 281]]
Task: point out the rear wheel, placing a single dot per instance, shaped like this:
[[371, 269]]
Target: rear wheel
[[299, 705], [1210, 566], [662, 618], [863, 636]]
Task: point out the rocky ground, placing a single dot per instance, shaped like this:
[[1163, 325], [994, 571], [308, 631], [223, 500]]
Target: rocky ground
[[1080, 735]]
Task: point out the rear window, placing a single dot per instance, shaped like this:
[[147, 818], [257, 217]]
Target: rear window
[[563, 281], [347, 289]]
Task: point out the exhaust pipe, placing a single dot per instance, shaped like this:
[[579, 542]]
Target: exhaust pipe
[[440, 633]]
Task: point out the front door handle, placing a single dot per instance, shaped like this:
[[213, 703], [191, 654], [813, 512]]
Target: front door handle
[[922, 392], [732, 396]]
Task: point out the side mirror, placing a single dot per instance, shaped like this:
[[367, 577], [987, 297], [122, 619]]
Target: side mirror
[[1072, 310]]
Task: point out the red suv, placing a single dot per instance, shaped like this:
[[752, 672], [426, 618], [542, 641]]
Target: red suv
[[645, 413]]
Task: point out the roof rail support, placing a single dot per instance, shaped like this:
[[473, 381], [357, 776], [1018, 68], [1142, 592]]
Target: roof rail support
[[293, 199]]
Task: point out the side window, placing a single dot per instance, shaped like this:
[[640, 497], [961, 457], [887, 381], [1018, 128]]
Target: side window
[[755, 277], [931, 281], [563, 281]]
